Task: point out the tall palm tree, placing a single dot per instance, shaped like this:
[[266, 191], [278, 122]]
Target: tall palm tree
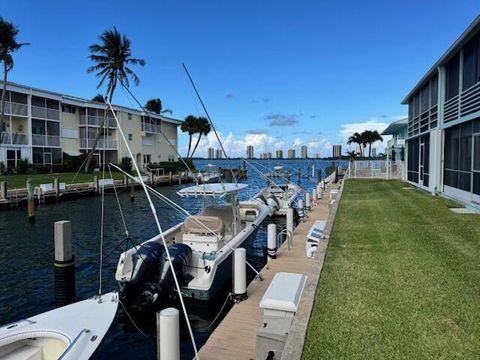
[[370, 137], [203, 128], [99, 98], [351, 155], [112, 58], [155, 105], [189, 125], [358, 139], [8, 45]]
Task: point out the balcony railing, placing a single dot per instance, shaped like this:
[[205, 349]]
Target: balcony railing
[[102, 143], [13, 108], [45, 140], [45, 113], [14, 138], [92, 120], [153, 128]]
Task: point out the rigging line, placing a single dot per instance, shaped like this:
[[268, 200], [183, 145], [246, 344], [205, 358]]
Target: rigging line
[[102, 224], [180, 209], [161, 132], [131, 319], [118, 202], [154, 212], [209, 119], [261, 174]]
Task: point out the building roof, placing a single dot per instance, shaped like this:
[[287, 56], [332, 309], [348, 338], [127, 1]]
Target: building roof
[[77, 101], [464, 37], [395, 127]]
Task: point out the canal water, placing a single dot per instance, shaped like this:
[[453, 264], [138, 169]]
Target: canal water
[[27, 254]]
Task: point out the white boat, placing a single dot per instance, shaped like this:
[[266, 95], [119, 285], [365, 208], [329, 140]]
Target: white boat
[[71, 332], [200, 247], [210, 175], [279, 197]]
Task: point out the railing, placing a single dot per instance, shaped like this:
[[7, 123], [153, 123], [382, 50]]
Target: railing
[[150, 127], [101, 144], [376, 169], [14, 138], [45, 113], [93, 120], [13, 108], [45, 140]]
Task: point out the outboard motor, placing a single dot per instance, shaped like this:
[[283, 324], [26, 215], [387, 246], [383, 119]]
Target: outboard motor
[[164, 289], [273, 202]]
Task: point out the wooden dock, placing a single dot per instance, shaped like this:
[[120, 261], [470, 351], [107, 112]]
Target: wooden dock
[[235, 336]]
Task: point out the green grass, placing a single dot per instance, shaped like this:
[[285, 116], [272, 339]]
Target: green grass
[[401, 279], [19, 181]]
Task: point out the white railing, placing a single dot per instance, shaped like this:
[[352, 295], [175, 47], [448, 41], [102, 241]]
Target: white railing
[[13, 108], [45, 113], [149, 127], [93, 120], [376, 169], [45, 140], [14, 138], [101, 144]]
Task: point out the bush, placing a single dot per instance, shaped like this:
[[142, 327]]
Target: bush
[[22, 166], [126, 164], [2, 167]]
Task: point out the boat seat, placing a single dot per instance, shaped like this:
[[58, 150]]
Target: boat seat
[[26, 352], [193, 225]]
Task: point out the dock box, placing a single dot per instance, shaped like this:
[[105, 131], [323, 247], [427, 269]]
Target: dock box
[[315, 234], [279, 304]]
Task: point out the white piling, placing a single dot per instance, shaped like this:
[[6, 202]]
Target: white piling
[[168, 334], [308, 201], [301, 205], [272, 241], [240, 274], [290, 220], [315, 196]]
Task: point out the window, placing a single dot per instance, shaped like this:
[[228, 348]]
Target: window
[[68, 109], [471, 64], [130, 137], [129, 116], [434, 91], [413, 151], [452, 75], [424, 96]]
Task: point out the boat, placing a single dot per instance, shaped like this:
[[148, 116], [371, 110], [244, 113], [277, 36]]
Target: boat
[[279, 196], [210, 175], [70, 332], [201, 248], [279, 172]]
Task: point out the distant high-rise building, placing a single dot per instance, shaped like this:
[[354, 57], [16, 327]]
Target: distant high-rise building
[[303, 151], [218, 154], [279, 154], [250, 153], [337, 151], [268, 155], [291, 153], [211, 153], [316, 156], [374, 152]]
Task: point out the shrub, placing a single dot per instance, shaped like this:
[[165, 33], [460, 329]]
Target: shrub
[[2, 167], [126, 164], [22, 166]]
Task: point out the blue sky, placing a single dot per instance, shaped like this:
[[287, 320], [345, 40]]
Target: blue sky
[[275, 74]]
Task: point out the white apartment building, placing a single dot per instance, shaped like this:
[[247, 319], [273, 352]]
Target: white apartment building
[[211, 153], [42, 125], [250, 152], [291, 154], [279, 154], [337, 151]]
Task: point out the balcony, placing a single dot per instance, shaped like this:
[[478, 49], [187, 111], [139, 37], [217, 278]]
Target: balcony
[[91, 120], [153, 128], [13, 108], [45, 113], [14, 138], [45, 140], [104, 144]]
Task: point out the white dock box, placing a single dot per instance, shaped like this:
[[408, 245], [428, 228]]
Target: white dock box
[[315, 234], [279, 304]]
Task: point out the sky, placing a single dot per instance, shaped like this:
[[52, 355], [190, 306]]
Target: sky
[[273, 74]]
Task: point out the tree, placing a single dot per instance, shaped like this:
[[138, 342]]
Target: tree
[[189, 126], [358, 139], [369, 138], [351, 155], [112, 58], [99, 98], [8, 45], [155, 105], [202, 128]]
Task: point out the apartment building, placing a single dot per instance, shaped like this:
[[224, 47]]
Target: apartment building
[[42, 126], [337, 151], [304, 152], [291, 154], [279, 154], [250, 152], [218, 154], [443, 134], [211, 153], [396, 145]]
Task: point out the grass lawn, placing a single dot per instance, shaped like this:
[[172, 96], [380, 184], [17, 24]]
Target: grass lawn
[[401, 279], [19, 181]]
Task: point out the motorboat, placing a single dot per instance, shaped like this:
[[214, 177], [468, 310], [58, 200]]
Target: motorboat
[[200, 248], [279, 196], [210, 175], [71, 332]]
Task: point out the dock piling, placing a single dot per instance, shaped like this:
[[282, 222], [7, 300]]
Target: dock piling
[[272, 241], [239, 274], [315, 196], [30, 202], [168, 334], [290, 220], [308, 201], [3, 190], [132, 190], [64, 264], [56, 188], [95, 183]]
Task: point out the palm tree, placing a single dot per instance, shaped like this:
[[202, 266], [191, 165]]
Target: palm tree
[[370, 137], [8, 45], [358, 139], [189, 125], [155, 105], [351, 155], [99, 98], [112, 58], [203, 128]]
